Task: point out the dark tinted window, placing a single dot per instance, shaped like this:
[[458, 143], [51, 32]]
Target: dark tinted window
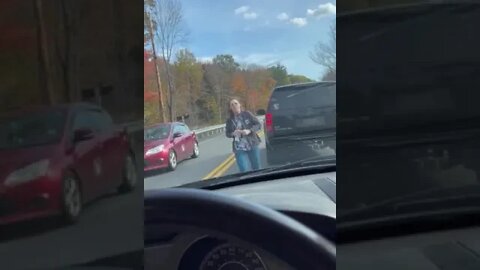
[[156, 133], [82, 120], [180, 128], [184, 129], [32, 129], [176, 128], [287, 98], [104, 119], [96, 120]]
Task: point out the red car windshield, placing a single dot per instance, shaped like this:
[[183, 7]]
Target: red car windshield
[[31, 130], [160, 132]]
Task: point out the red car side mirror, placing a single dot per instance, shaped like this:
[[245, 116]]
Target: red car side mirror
[[82, 134]]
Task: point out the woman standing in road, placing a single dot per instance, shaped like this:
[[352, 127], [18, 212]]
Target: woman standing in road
[[243, 126]]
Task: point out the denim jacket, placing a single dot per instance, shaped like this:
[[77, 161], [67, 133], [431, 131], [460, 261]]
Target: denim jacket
[[250, 122]]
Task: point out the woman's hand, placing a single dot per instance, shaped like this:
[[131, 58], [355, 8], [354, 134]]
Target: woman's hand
[[237, 133], [240, 132], [246, 131]]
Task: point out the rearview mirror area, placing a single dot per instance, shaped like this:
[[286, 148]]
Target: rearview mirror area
[[177, 134]]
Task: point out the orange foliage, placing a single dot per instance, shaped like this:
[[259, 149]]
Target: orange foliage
[[239, 84]]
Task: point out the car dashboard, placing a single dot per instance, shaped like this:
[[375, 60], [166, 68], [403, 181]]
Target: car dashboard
[[311, 200], [448, 249]]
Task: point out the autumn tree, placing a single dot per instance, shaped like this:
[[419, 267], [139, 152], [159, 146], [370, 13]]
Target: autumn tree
[[150, 95], [148, 72], [279, 74], [150, 87], [260, 85], [204, 88], [216, 88], [19, 70], [254, 80], [149, 27], [266, 91], [71, 15], [170, 33], [226, 62], [298, 79], [218, 78], [188, 81], [239, 85], [44, 62], [149, 23]]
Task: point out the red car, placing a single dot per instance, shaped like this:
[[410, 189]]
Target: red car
[[167, 144], [54, 160]]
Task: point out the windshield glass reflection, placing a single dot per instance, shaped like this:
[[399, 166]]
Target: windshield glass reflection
[[31, 130]]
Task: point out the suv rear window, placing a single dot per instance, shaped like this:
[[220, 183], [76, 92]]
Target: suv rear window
[[318, 95]]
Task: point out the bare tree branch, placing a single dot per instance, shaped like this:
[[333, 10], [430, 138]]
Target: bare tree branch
[[170, 33], [325, 54]]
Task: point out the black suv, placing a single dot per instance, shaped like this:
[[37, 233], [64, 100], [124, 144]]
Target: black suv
[[300, 121]]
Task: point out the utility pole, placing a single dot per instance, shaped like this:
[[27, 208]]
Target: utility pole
[[155, 59]]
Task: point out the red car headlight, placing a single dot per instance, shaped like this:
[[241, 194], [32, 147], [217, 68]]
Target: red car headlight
[[28, 173], [155, 150]]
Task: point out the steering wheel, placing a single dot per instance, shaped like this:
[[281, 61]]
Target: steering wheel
[[274, 232]]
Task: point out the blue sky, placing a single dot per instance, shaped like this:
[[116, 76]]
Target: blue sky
[[256, 31]]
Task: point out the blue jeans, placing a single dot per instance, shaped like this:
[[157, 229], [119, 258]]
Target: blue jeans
[[248, 160]]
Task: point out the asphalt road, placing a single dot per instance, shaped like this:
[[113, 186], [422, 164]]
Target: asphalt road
[[214, 152], [109, 226]]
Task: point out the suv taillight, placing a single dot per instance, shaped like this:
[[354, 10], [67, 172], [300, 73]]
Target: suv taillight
[[269, 122]]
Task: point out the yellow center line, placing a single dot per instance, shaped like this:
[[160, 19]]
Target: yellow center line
[[219, 167], [226, 164], [225, 168]]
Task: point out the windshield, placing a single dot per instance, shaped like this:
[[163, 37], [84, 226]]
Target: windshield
[[245, 97], [409, 115], [160, 132], [32, 130]]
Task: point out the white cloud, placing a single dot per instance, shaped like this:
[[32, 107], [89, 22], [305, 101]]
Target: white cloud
[[300, 22], [263, 59], [205, 59], [323, 10], [242, 9], [246, 15], [250, 16], [282, 16]]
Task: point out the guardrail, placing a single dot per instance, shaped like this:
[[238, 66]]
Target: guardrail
[[206, 132], [202, 133]]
